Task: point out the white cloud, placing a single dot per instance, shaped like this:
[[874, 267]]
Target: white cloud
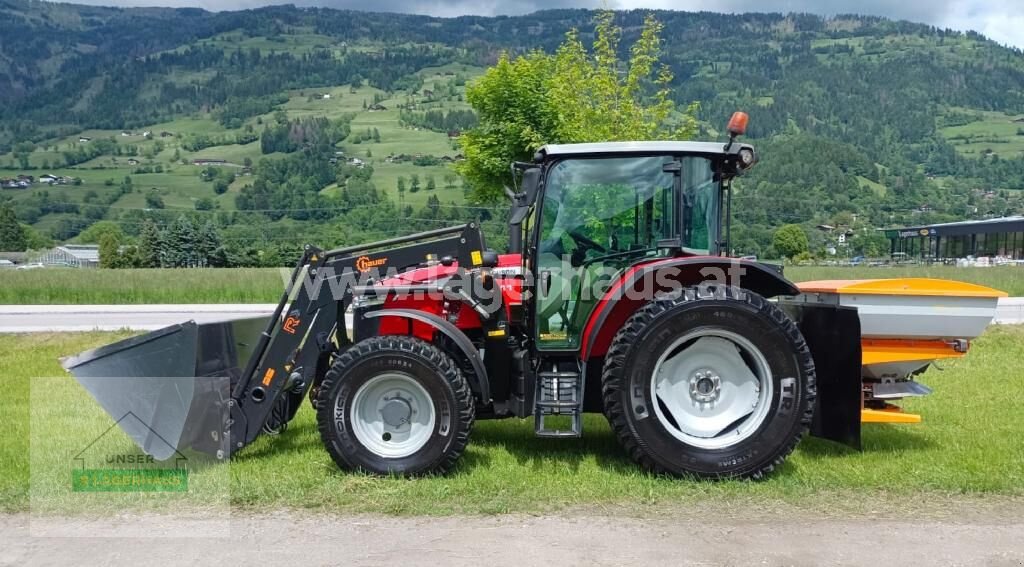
[[1001, 20]]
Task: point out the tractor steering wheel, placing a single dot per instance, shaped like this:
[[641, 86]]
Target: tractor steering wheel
[[585, 242]]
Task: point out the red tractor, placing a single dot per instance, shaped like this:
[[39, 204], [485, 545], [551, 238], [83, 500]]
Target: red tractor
[[614, 297]]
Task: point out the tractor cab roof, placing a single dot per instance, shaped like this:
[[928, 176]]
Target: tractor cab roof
[[666, 147]]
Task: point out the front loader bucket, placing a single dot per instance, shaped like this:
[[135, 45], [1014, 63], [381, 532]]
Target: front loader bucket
[[169, 389]]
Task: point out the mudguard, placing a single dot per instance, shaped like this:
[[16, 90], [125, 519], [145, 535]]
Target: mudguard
[[479, 380], [833, 334], [612, 310]]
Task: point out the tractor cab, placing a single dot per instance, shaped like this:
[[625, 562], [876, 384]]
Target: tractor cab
[[591, 211]]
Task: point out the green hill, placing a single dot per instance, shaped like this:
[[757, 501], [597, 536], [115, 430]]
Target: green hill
[[862, 121]]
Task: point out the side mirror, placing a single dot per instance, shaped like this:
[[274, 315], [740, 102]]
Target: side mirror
[[531, 184]]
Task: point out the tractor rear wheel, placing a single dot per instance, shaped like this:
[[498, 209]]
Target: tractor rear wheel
[[395, 405], [711, 381]]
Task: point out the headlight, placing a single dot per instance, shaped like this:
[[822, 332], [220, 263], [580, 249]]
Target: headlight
[[747, 158]]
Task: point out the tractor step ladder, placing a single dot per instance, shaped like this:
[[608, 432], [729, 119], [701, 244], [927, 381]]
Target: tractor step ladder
[[559, 393]]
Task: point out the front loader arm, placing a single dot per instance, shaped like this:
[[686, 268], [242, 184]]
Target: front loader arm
[[309, 320]]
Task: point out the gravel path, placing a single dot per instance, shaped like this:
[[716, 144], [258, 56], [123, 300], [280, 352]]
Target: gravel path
[[985, 535]]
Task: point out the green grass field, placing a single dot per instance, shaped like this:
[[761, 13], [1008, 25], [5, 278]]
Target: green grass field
[[244, 285], [995, 132], [237, 285], [1009, 279], [968, 444]]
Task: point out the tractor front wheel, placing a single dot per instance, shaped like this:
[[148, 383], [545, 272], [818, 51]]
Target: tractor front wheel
[[711, 381], [395, 405]]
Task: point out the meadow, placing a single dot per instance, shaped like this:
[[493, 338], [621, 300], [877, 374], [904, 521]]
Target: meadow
[[180, 185], [995, 132], [254, 285], [969, 446]]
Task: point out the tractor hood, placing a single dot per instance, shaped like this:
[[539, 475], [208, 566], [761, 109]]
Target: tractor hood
[[438, 272]]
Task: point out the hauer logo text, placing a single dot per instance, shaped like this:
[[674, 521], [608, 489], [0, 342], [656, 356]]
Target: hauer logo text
[[364, 263]]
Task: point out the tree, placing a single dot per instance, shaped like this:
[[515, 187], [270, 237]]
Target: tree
[[571, 96], [154, 200], [34, 240], [790, 240], [449, 180], [21, 152], [110, 250], [209, 251], [180, 244], [150, 245], [401, 188], [12, 236], [414, 183], [205, 204], [431, 184], [95, 233]]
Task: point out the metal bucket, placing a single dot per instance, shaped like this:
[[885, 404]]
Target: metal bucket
[[169, 389]]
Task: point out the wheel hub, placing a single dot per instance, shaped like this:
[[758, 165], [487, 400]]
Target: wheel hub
[[712, 388], [396, 411], [392, 415], [705, 386]]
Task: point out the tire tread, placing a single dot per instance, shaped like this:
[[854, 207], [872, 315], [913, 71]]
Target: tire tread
[[630, 335], [433, 356]]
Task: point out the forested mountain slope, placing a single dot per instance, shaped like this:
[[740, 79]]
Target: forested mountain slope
[[862, 121]]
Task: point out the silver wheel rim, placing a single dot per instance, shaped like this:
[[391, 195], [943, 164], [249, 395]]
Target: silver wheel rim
[[712, 388], [392, 415]]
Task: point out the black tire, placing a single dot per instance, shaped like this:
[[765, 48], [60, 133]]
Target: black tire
[[428, 366], [638, 345]]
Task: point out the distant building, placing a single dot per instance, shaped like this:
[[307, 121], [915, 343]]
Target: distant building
[[209, 162], [377, 107], [428, 93], [1000, 237], [72, 256], [165, 134], [454, 133], [13, 258], [133, 161], [84, 139], [6, 264], [51, 179]]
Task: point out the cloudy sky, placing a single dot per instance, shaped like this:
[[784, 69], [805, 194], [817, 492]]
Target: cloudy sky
[[1001, 20]]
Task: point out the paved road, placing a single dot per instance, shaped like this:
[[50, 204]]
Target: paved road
[[680, 537], [45, 318]]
